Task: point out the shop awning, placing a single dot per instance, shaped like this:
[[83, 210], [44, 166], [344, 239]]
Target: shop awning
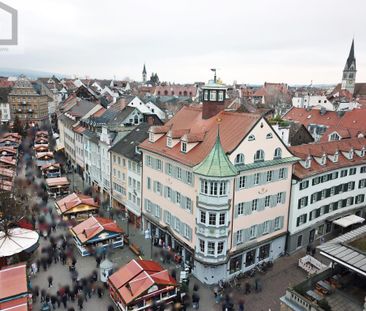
[[348, 221]]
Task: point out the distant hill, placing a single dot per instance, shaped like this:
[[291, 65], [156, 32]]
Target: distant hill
[[32, 74]]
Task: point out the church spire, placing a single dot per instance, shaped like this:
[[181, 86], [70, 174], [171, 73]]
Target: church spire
[[351, 57], [144, 74], [349, 71]]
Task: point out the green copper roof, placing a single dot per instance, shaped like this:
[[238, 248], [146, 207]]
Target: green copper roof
[[216, 164]]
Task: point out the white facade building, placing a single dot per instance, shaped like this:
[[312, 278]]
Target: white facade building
[[312, 101], [328, 183]]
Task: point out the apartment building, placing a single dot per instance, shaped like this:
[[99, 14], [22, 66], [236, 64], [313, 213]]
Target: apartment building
[[127, 174], [328, 183], [216, 187]]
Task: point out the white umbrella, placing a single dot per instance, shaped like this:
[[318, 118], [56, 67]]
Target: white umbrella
[[16, 241]]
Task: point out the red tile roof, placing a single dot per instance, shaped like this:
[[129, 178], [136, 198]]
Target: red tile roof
[[79, 129], [93, 226], [6, 150], [354, 119], [48, 154], [50, 166], [57, 181], [74, 199], [7, 160], [234, 126], [6, 185], [15, 135], [134, 279], [327, 148], [13, 280], [7, 172]]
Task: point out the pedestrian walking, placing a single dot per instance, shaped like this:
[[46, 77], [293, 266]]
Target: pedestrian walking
[[53, 301], [64, 300], [100, 291], [80, 302], [35, 293], [50, 280], [98, 260], [43, 295]]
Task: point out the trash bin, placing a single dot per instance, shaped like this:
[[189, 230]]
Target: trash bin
[[105, 270]]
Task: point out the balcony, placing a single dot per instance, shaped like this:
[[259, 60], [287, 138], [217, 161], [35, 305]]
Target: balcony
[[213, 201], [210, 258], [212, 231]]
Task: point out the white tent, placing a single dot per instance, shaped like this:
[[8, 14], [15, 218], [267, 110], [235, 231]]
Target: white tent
[[349, 220], [17, 240]]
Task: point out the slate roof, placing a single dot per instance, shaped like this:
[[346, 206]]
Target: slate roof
[[340, 251], [81, 108], [127, 145]]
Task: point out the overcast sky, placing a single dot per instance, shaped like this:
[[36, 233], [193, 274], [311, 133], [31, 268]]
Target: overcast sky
[[249, 41]]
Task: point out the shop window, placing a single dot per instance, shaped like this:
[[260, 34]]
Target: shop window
[[250, 258]]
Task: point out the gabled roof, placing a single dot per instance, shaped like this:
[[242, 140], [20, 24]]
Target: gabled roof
[[216, 164], [57, 181], [73, 200], [136, 278], [51, 165], [93, 226], [329, 149], [234, 126], [13, 280], [127, 145]]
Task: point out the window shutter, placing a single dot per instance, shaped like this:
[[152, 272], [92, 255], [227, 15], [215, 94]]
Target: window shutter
[[165, 191], [183, 202], [260, 206], [281, 221], [262, 178], [275, 175], [177, 224], [146, 205], [249, 181], [260, 229], [235, 236], [154, 186], [236, 211], [283, 197], [182, 228], [247, 208], [246, 235], [190, 233], [173, 197], [285, 173], [184, 176], [166, 217], [273, 201], [153, 208], [166, 168], [271, 225]]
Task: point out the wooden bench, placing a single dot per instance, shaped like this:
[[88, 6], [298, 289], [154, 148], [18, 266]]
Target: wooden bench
[[135, 249]]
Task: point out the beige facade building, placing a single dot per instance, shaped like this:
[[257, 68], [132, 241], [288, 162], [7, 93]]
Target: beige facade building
[[216, 187], [25, 103]]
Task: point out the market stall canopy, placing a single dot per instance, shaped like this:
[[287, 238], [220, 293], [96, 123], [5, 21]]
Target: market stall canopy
[[17, 240], [348, 221]]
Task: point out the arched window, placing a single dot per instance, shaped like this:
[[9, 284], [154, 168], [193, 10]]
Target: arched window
[[172, 93], [180, 93], [251, 137], [259, 156], [277, 153], [166, 93], [185, 93], [269, 136], [239, 159]]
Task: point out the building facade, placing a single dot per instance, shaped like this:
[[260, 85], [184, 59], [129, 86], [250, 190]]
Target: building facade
[[328, 183], [219, 199], [26, 103]]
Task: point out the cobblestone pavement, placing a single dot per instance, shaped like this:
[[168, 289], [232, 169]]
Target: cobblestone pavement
[[274, 282]]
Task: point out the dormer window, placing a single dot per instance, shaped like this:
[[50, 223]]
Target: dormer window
[[308, 162], [184, 146], [363, 152], [251, 137], [269, 136], [324, 159], [169, 142], [351, 154], [336, 156], [151, 137], [239, 159], [277, 154], [221, 96]]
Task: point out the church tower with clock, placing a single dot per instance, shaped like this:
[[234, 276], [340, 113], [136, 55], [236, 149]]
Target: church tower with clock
[[349, 71]]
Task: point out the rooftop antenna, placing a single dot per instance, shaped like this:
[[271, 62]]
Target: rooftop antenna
[[214, 70]]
